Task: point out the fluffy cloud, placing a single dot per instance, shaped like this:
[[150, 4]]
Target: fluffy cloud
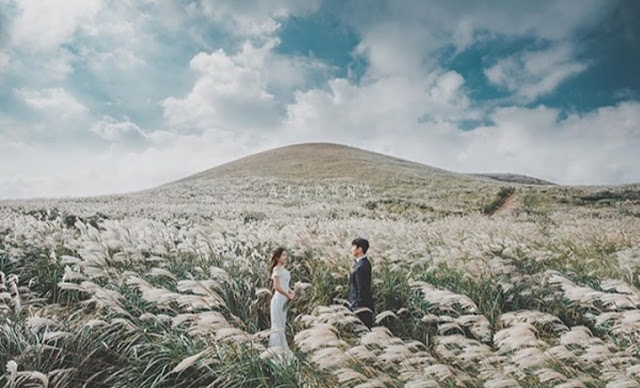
[[119, 131], [597, 147], [535, 73], [547, 19], [50, 41], [54, 101], [407, 37], [254, 18], [4, 60], [119, 58], [393, 48], [228, 95], [242, 92], [391, 104], [45, 25], [116, 169]]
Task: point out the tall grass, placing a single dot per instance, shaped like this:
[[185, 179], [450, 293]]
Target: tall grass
[[538, 299]]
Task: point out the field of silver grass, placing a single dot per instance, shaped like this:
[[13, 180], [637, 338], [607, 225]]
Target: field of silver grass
[[171, 289]]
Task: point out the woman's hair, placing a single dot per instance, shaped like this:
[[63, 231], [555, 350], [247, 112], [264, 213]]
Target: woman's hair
[[275, 255]]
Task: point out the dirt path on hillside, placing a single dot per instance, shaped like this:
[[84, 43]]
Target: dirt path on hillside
[[509, 205]]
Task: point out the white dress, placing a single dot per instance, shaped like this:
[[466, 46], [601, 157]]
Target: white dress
[[279, 312]]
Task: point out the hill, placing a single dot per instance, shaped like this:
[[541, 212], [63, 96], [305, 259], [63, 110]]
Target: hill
[[335, 161]]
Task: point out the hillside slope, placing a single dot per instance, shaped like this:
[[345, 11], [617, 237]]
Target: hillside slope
[[321, 161]]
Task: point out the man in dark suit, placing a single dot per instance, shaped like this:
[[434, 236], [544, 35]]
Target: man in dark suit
[[359, 297]]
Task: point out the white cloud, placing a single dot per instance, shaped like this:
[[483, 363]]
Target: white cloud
[[254, 18], [52, 39], [546, 19], [393, 115], [286, 73], [535, 73], [123, 59], [122, 32], [447, 99], [45, 25], [57, 67], [229, 94], [599, 147], [53, 101], [407, 37], [11, 142], [41, 69], [235, 92], [391, 104], [118, 131], [4, 60], [114, 169], [393, 48]]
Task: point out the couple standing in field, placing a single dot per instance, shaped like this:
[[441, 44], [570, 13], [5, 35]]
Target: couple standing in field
[[359, 296]]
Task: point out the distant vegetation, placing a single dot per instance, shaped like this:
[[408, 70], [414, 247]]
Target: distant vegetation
[[608, 196], [515, 178]]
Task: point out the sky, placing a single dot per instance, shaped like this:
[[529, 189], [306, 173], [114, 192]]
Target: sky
[[106, 96]]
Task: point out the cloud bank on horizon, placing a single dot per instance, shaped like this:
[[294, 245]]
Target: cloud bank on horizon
[[107, 96]]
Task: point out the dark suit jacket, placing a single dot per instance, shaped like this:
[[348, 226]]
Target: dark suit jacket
[[360, 285]]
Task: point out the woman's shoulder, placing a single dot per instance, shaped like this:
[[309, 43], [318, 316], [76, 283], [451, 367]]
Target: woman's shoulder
[[279, 271]]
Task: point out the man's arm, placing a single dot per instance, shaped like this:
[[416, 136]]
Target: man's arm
[[363, 281]]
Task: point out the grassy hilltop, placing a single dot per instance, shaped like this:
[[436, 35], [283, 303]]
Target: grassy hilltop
[[488, 280]]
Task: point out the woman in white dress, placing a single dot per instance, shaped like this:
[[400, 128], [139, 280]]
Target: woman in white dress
[[282, 294]]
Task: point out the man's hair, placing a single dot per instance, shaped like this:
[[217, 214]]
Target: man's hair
[[361, 243]]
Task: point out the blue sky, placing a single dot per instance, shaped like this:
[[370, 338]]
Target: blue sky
[[105, 96]]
